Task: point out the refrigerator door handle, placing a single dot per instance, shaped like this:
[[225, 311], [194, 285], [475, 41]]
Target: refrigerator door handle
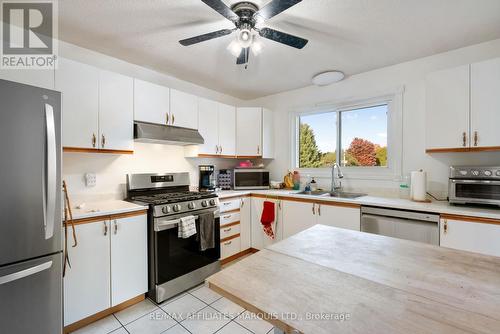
[[25, 273], [50, 186]]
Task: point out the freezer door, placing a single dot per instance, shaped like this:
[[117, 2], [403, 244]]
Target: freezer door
[[31, 296], [30, 150]]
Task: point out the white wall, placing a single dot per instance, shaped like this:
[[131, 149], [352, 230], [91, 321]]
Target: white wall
[[411, 75], [111, 169]]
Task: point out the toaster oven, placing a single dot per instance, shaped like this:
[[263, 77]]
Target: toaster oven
[[474, 185]]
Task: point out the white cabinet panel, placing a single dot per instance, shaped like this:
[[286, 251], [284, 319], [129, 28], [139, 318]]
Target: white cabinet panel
[[79, 85], [208, 126], [116, 111], [183, 109], [38, 78], [485, 103], [297, 217], [227, 129], [246, 223], [470, 236], [249, 131], [267, 134], [447, 109], [87, 282], [151, 102], [337, 216], [226, 205], [230, 247], [259, 239], [129, 258], [229, 231]]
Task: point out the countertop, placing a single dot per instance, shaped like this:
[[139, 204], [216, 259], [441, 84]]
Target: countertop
[[105, 208], [379, 284], [441, 207]]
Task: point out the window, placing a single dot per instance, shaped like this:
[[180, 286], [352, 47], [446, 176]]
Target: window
[[354, 137]]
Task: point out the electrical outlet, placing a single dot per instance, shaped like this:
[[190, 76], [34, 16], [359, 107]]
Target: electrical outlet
[[90, 179]]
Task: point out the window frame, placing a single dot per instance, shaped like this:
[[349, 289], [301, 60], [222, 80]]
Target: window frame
[[393, 170]]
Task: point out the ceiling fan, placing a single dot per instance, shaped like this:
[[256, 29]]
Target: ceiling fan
[[246, 16]]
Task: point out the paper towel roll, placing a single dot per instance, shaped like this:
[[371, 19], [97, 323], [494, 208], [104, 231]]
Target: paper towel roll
[[419, 185]]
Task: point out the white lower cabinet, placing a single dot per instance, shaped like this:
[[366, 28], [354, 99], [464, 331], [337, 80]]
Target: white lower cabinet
[[108, 266], [297, 216], [235, 223], [259, 239], [339, 216], [470, 236], [87, 282], [129, 266], [246, 223]]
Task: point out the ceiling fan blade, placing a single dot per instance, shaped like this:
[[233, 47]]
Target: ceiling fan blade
[[275, 7], [284, 38], [222, 9], [243, 57], [205, 37]]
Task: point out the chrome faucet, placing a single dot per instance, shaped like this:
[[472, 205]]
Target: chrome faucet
[[339, 176]]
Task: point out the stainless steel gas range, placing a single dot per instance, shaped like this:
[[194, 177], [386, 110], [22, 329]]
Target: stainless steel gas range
[[174, 264]]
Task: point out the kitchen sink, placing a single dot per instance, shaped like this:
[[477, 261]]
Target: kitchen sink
[[314, 193], [344, 194]]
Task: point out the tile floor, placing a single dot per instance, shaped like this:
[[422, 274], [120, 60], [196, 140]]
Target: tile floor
[[197, 311]]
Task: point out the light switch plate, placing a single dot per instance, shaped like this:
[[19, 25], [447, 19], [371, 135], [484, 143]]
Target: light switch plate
[[90, 179]]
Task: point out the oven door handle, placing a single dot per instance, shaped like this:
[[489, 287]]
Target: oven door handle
[[458, 181], [161, 225]]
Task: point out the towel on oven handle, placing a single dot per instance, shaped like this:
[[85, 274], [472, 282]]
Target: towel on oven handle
[[187, 227]]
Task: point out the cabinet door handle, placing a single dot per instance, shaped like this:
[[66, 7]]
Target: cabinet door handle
[[227, 243], [319, 209], [258, 149], [475, 138], [314, 208], [464, 138], [116, 227], [220, 149], [216, 149], [166, 121], [445, 226], [103, 141], [173, 119], [279, 205], [94, 140], [105, 229], [227, 229], [226, 217]]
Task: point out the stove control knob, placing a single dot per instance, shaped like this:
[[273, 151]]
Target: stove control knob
[[487, 173], [177, 208], [191, 205], [166, 209], [498, 173], [205, 203], [475, 172], [212, 202]]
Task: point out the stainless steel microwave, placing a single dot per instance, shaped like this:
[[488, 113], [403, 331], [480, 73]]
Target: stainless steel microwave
[[474, 185], [245, 179]]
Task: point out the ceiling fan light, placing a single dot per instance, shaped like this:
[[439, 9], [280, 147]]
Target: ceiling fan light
[[256, 46], [327, 78], [245, 38], [235, 48]]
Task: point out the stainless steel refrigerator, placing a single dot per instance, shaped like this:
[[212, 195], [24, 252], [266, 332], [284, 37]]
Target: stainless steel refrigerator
[[30, 210]]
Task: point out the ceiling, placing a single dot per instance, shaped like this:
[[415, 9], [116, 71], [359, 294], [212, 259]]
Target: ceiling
[[353, 36]]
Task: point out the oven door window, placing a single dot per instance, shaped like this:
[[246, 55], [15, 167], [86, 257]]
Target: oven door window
[[177, 256], [477, 191]]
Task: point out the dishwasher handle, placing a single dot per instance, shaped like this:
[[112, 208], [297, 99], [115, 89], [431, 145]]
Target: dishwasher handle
[[400, 214]]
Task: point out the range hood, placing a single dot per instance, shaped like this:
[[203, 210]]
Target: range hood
[[165, 134]]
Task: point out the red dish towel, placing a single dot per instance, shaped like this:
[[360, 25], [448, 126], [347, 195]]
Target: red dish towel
[[267, 218]]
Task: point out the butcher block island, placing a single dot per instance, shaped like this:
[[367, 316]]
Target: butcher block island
[[330, 280]]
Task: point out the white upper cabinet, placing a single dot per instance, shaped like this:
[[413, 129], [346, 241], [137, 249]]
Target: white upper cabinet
[[38, 78], [267, 134], [80, 103], [208, 119], [183, 109], [249, 131], [227, 129], [116, 111], [129, 265], [151, 102], [447, 110], [485, 103]]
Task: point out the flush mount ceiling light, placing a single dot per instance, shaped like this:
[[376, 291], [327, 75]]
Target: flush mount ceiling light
[[327, 78], [247, 17]]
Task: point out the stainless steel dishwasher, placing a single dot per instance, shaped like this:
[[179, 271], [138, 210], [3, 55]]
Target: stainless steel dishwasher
[[402, 224]]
